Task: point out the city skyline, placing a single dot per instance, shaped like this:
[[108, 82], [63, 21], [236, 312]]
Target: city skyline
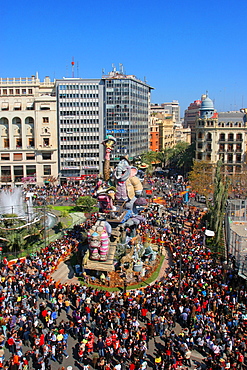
[[180, 49]]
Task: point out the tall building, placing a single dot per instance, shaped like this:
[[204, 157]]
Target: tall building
[[80, 120], [127, 102], [28, 131], [221, 136], [173, 109], [90, 109]]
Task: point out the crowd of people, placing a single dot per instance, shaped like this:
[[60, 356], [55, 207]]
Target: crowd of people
[[198, 304]]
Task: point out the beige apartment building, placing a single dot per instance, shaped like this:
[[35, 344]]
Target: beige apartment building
[[161, 129], [28, 131]]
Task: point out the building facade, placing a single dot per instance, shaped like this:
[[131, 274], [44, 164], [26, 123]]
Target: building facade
[[90, 109], [162, 129], [154, 134], [173, 109], [191, 115], [80, 127], [28, 141], [127, 102], [221, 136]]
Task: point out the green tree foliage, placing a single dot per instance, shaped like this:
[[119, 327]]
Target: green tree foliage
[[15, 241], [64, 213], [164, 157], [87, 203], [180, 156]]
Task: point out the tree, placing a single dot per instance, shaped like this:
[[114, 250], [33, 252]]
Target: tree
[[164, 157], [87, 203], [201, 178], [217, 209], [149, 158], [179, 155], [15, 241]]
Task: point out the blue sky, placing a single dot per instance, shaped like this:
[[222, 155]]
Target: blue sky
[[182, 48]]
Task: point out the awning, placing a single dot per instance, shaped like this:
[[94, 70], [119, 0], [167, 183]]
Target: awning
[[45, 106], [17, 105], [30, 104], [5, 105]]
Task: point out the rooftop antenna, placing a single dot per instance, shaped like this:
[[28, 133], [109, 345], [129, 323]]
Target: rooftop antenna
[[103, 71], [77, 69], [145, 80], [73, 65], [121, 68]]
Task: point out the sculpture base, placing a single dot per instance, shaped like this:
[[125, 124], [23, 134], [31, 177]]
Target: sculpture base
[[107, 265]]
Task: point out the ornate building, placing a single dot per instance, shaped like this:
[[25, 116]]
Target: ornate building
[[221, 136], [28, 130]]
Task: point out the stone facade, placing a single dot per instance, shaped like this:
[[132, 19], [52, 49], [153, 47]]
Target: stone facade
[[28, 131]]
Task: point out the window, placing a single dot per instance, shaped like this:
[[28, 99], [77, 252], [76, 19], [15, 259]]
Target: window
[[45, 119], [17, 156], [30, 91], [44, 106], [11, 91], [23, 91], [17, 106], [238, 158], [18, 143], [5, 173], [6, 143], [47, 170], [46, 142], [30, 156], [46, 156], [31, 171], [4, 91], [5, 157], [17, 91], [18, 173], [31, 142]]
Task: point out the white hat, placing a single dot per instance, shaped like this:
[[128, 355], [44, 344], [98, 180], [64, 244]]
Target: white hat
[[69, 368]]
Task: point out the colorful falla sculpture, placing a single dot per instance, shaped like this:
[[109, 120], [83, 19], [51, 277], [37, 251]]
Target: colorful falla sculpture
[[98, 240], [128, 185]]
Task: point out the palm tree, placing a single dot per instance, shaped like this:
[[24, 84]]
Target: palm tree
[[15, 241], [164, 157]]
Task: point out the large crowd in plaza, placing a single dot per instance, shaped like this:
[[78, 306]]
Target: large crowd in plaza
[[198, 304]]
